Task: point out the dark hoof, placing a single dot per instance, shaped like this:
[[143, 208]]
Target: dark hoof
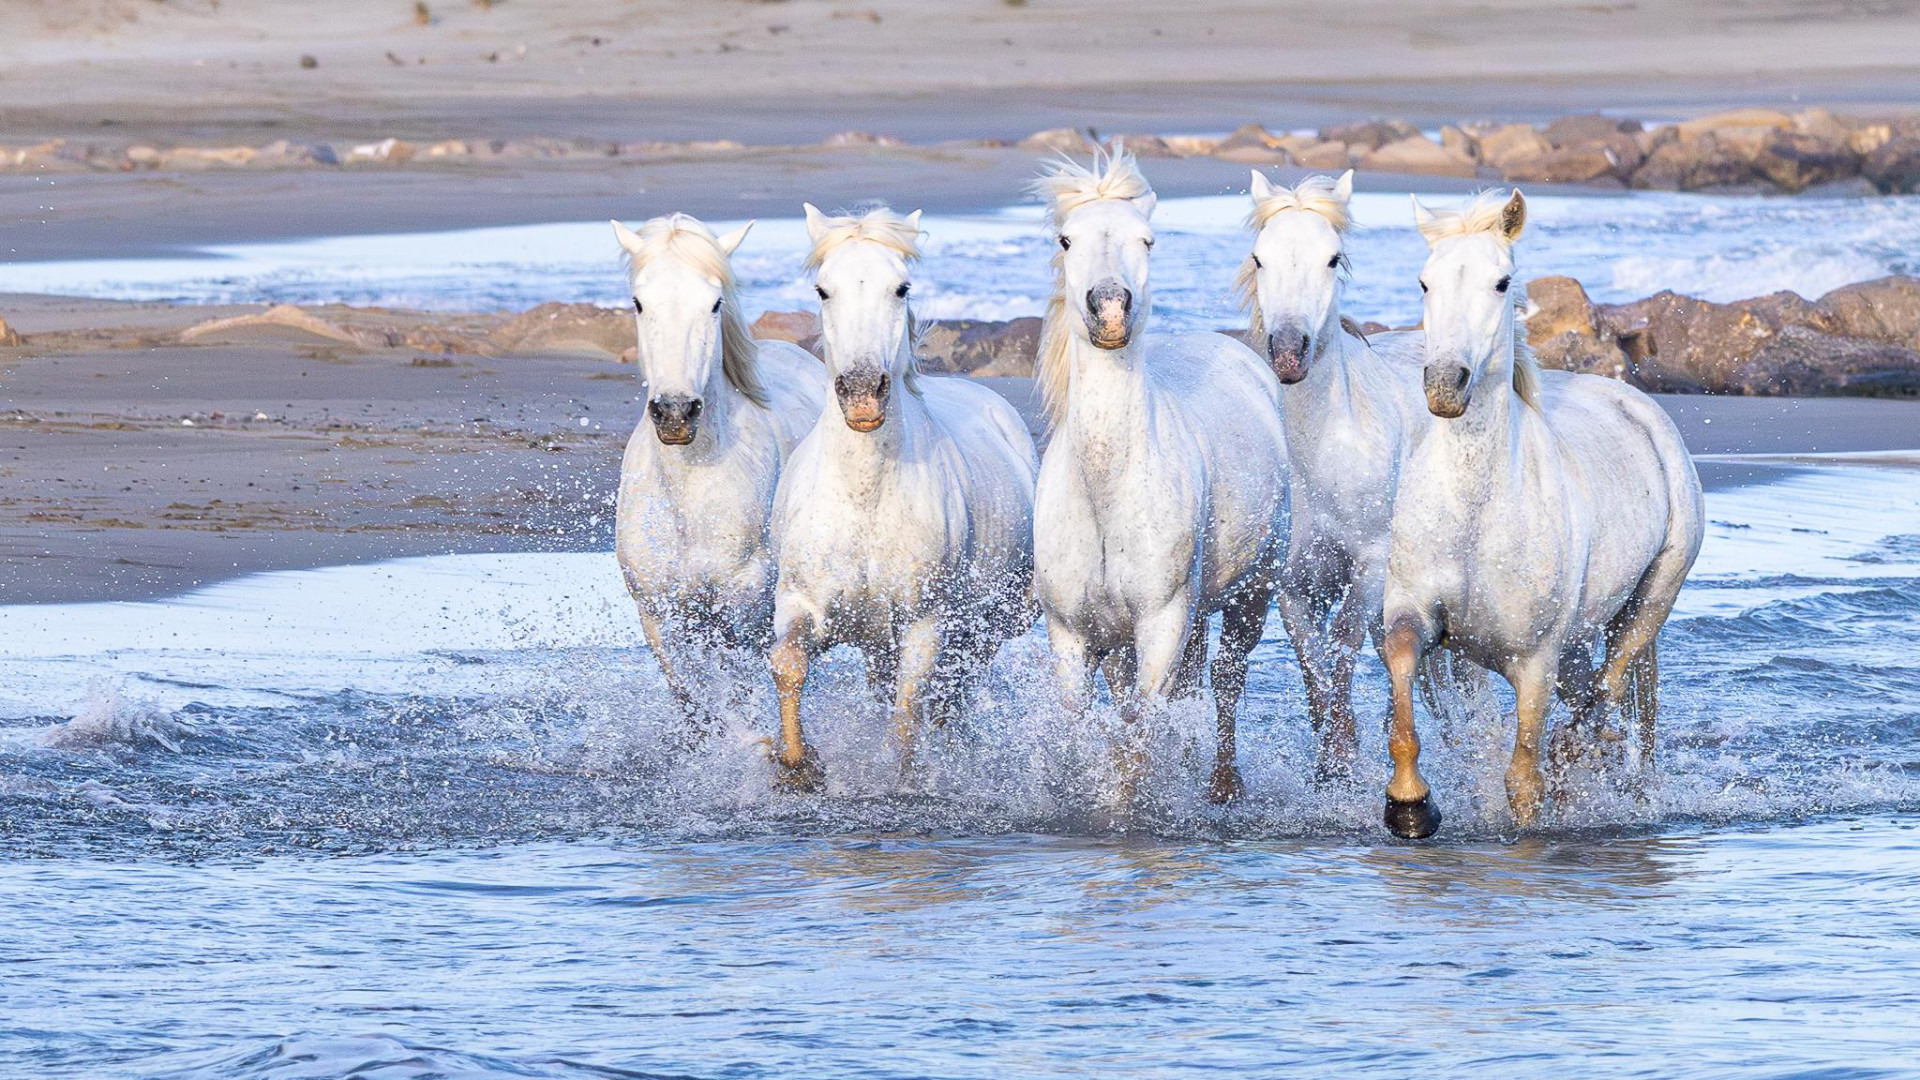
[[1414, 820], [806, 778], [1226, 786]]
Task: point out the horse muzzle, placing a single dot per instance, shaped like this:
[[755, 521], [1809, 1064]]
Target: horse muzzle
[[676, 418], [1447, 389], [1289, 352], [1109, 315], [863, 398]]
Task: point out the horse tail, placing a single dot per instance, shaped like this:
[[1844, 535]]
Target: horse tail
[[1449, 687]]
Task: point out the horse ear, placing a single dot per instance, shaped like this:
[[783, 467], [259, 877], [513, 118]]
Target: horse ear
[[1146, 203], [1261, 188], [1422, 217], [913, 221], [1513, 216], [816, 222], [1343, 187], [731, 242], [629, 240]]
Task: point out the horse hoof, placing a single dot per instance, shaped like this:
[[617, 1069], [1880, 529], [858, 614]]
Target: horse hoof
[[1226, 786], [807, 778], [1415, 820]]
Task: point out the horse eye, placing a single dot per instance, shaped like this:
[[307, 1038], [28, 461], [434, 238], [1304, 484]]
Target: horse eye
[[716, 307], [901, 292], [1148, 241], [1423, 286], [636, 305], [1256, 262], [1501, 285], [821, 291], [1334, 263], [1065, 243]]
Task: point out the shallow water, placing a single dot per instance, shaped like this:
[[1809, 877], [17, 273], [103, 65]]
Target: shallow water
[[426, 818], [994, 266]]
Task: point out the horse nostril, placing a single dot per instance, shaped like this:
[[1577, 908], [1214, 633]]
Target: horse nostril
[[1126, 300], [693, 408], [1092, 304], [885, 381], [1460, 379], [1306, 340]]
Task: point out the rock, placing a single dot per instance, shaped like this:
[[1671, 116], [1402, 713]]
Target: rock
[[1886, 310], [1704, 162], [1566, 164], [1865, 140], [289, 153], [1894, 166], [309, 61], [1793, 161], [795, 326], [208, 157], [1191, 145], [556, 327], [1418, 155], [1822, 124], [1248, 135], [282, 322], [973, 347], [9, 337], [1460, 142], [1564, 333], [449, 148], [1512, 142], [1736, 118], [1589, 128], [1058, 141], [860, 138], [386, 150], [1257, 155], [143, 157], [1146, 146], [1326, 156], [1371, 134]]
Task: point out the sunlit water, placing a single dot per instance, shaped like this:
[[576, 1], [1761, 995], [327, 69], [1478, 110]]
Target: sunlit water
[[426, 818], [994, 266]]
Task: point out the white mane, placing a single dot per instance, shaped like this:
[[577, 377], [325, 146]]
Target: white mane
[[1066, 185], [1315, 195], [1486, 214], [687, 239]]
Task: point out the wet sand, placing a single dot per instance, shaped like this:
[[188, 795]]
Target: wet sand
[[132, 467]]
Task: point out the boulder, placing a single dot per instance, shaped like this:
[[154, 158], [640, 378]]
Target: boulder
[[1894, 166], [1327, 156], [794, 326], [1370, 134], [861, 138], [394, 151], [208, 157], [1566, 165], [1736, 118], [1418, 155], [1458, 141], [1248, 135], [1146, 146], [1058, 141], [1257, 155], [556, 327], [9, 337], [1564, 333], [1191, 145], [1822, 124], [973, 347], [1512, 142], [1886, 310], [1703, 162], [1588, 128], [1793, 161]]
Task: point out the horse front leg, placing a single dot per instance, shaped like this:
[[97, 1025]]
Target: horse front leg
[[697, 718], [914, 666], [792, 656], [1240, 628], [1410, 813], [1073, 661]]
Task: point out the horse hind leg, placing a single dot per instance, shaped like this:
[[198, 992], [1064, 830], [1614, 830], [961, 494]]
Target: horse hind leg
[[1121, 667], [1630, 673], [1240, 627], [799, 767]]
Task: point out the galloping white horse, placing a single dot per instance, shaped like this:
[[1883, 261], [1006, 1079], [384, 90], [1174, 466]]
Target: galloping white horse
[[1163, 496], [1352, 408], [904, 525], [1534, 515], [725, 411]]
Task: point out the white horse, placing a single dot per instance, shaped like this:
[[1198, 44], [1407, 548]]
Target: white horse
[[1163, 495], [1352, 408], [904, 525], [1535, 515], [697, 482]]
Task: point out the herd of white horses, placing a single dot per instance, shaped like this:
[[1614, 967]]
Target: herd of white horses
[[1429, 491]]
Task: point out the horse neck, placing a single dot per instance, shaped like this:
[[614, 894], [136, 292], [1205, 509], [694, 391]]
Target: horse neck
[[864, 458], [722, 411], [1481, 442], [1110, 407], [1333, 389]]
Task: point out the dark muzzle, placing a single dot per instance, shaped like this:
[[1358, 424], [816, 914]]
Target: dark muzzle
[[1446, 386], [676, 418], [1289, 351], [863, 397], [1109, 315]]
